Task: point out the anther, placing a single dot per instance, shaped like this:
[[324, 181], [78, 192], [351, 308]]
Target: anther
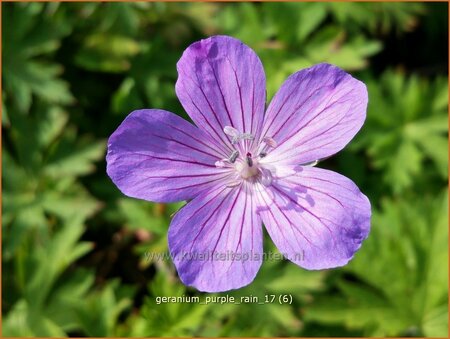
[[249, 160], [243, 136], [247, 136], [270, 142], [267, 142], [233, 156], [231, 131], [221, 163], [236, 136]]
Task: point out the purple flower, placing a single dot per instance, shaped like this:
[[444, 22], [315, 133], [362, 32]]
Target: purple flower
[[241, 168]]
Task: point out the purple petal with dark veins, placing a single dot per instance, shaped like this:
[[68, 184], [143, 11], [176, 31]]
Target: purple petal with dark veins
[[157, 156], [216, 240], [221, 82], [316, 112], [316, 218]]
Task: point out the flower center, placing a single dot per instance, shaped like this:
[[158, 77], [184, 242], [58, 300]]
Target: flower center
[[247, 168], [244, 160]]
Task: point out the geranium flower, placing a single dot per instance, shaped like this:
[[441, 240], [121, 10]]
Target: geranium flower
[[240, 167]]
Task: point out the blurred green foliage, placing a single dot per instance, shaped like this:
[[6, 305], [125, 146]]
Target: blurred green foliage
[[75, 251]]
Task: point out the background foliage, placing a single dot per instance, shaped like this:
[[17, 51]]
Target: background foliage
[[75, 251]]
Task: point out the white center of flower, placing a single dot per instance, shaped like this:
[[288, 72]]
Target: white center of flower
[[245, 159], [247, 168]]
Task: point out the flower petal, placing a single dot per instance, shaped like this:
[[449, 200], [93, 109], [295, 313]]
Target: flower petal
[[221, 82], [158, 156], [317, 218], [316, 112], [216, 240]]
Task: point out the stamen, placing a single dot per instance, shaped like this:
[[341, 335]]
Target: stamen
[[248, 168], [267, 143], [243, 136], [249, 160], [270, 142], [227, 162], [236, 136], [246, 136], [231, 131], [221, 163], [233, 156]]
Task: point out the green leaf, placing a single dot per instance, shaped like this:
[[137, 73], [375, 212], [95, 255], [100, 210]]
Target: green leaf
[[405, 289], [107, 53], [70, 161], [15, 323], [100, 311], [143, 215], [311, 16], [48, 302], [26, 74], [406, 126], [381, 16]]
